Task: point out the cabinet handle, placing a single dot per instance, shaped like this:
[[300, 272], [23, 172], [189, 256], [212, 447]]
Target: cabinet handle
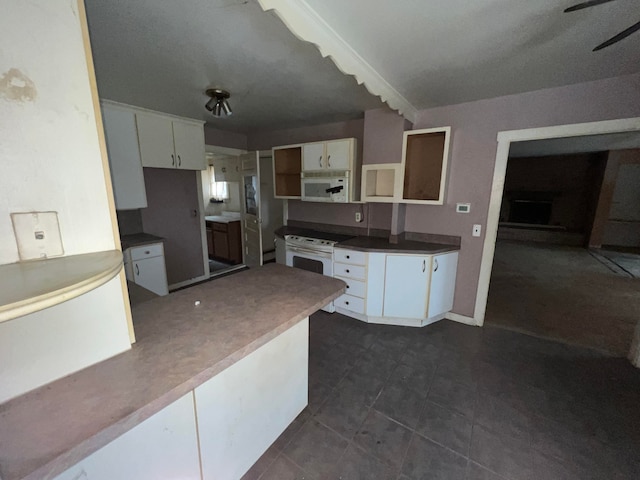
[[147, 252], [347, 270], [424, 265], [436, 269], [173, 160], [179, 161], [137, 270], [320, 161], [329, 161], [347, 286], [347, 256], [346, 302]]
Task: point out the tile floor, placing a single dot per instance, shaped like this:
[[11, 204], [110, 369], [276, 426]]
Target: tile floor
[[455, 402]]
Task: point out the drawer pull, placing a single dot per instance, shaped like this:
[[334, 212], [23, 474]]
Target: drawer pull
[[347, 270], [346, 302], [347, 256], [147, 252], [347, 286]]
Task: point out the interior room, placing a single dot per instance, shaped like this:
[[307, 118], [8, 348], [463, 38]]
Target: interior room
[[562, 228], [278, 239]]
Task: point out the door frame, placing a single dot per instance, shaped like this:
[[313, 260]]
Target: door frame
[[505, 138]]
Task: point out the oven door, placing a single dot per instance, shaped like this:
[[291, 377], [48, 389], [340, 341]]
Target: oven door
[[312, 261]]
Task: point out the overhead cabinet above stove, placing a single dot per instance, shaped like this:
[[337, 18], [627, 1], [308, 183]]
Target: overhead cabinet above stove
[[316, 164]]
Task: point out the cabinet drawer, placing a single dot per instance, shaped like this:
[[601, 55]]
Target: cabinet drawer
[[146, 251], [349, 271], [349, 302], [350, 256], [355, 287]]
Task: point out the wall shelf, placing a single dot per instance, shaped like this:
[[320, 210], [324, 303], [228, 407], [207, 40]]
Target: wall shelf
[[28, 287], [382, 183]]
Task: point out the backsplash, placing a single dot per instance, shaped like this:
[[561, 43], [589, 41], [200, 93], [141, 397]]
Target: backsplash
[[129, 221]]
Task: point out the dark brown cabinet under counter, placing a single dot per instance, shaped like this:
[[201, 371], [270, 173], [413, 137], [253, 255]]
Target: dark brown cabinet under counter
[[224, 241]]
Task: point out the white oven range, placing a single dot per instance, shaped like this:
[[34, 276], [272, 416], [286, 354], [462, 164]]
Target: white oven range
[[312, 254]]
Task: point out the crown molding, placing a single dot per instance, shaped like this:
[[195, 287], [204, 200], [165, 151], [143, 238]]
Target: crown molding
[[308, 26]]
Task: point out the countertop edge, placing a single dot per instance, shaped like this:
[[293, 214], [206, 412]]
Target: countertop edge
[[103, 437], [426, 251]]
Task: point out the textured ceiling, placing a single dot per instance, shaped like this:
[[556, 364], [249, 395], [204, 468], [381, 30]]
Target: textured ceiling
[[437, 52], [163, 54]]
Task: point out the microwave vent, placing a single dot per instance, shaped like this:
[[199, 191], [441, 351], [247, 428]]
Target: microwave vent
[[328, 174]]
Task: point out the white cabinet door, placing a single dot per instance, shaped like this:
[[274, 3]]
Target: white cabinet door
[[124, 158], [155, 136], [242, 410], [406, 286], [375, 283], [165, 446], [338, 155], [313, 157], [443, 283], [151, 274], [189, 144]]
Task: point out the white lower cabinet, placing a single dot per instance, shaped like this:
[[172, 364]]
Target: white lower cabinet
[[145, 266], [244, 409], [164, 446], [397, 289], [220, 429]]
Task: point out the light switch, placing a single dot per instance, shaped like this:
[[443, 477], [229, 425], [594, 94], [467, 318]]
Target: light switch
[[37, 235], [477, 229]]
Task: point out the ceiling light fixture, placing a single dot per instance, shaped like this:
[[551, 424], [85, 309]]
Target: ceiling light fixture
[[218, 102]]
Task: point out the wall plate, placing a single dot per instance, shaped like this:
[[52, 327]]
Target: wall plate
[[37, 235]]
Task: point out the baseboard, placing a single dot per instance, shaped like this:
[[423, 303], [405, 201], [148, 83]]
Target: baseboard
[[456, 317], [186, 283]]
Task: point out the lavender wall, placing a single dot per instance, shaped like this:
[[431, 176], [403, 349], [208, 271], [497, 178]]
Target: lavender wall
[[266, 139], [383, 129], [475, 126], [222, 138]]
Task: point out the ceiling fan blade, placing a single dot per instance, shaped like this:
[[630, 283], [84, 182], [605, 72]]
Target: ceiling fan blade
[[618, 37], [590, 3]]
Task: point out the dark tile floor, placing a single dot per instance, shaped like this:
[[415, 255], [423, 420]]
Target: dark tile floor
[[450, 401]]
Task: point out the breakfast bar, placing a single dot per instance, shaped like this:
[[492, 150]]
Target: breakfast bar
[[225, 362]]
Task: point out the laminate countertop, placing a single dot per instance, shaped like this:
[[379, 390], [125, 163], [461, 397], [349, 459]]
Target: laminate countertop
[[138, 239], [378, 244], [180, 346], [222, 218]]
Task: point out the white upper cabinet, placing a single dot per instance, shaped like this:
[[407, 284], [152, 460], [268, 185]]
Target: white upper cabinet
[[124, 158], [189, 144], [168, 142], [336, 155]]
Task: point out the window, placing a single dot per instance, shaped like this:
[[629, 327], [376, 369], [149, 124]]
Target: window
[[218, 190]]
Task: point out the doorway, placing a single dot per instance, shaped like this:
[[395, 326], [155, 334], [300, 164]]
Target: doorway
[[620, 131]]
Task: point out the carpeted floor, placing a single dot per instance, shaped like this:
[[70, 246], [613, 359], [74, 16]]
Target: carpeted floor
[[562, 293]]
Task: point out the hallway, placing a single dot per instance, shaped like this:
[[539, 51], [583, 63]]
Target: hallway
[[562, 293]]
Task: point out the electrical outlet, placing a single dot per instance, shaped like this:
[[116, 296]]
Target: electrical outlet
[[37, 235], [358, 217], [477, 229]]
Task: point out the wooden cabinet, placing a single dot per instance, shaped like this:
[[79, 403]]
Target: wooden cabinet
[[145, 266], [210, 250], [425, 155], [226, 241], [287, 166], [168, 142], [124, 157], [163, 446], [336, 155]]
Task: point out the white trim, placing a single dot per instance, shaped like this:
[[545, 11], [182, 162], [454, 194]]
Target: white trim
[[305, 23], [186, 283], [456, 317], [223, 150], [497, 186], [134, 108]]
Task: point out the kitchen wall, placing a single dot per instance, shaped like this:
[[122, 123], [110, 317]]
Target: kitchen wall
[[475, 126], [223, 138], [51, 160]]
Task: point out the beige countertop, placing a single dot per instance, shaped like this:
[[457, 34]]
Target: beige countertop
[[138, 239], [180, 346], [222, 218]]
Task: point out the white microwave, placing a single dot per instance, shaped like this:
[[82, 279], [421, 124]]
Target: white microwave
[[320, 187]]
